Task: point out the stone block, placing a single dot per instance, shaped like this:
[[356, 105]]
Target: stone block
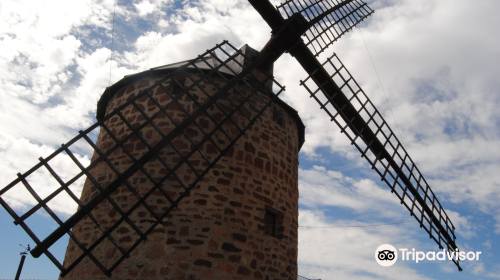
[[230, 247], [201, 262], [244, 271]]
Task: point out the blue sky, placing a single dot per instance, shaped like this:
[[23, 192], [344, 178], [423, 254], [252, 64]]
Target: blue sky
[[438, 62]]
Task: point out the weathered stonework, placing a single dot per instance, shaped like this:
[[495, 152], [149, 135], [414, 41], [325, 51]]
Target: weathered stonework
[[217, 232]]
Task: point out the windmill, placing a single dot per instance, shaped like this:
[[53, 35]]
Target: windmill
[[302, 28]]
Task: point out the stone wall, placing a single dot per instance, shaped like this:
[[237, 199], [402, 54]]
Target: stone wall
[[218, 231]]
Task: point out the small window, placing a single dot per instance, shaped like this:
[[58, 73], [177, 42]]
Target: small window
[[273, 220], [177, 85], [277, 116], [175, 89], [270, 220]]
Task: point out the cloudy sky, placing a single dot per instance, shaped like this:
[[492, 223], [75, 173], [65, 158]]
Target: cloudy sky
[[438, 62]]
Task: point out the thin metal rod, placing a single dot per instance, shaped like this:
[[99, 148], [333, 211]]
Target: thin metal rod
[[23, 257]]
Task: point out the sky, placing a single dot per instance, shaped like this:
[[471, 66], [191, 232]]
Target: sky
[[438, 64]]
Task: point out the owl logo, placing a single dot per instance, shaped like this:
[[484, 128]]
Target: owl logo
[[386, 255]]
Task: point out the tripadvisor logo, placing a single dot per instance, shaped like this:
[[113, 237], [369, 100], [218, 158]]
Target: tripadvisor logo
[[387, 255]]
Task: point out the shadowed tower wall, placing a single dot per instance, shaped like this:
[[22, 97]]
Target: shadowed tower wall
[[219, 231]]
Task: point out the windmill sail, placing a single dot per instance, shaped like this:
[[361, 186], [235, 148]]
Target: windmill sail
[[328, 19], [349, 107], [353, 112], [218, 120]]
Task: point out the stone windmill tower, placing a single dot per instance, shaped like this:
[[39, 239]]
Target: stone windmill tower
[[194, 172], [240, 220]]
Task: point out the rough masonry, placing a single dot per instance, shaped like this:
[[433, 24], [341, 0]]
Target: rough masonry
[[219, 230]]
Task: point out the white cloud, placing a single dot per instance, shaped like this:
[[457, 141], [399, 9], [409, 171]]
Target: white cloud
[[193, 29], [478, 268], [145, 7], [487, 244], [463, 225], [348, 253], [494, 273], [22, 155], [319, 187], [38, 54]]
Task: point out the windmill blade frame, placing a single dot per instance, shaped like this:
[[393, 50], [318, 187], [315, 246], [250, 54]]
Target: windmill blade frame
[[394, 165], [328, 19], [387, 157], [220, 103]]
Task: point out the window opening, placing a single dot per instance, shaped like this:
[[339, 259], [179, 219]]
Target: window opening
[[177, 85], [273, 220], [270, 220], [277, 116]]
